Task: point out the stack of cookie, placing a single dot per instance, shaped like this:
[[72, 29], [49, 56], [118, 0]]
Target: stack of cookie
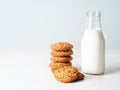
[[61, 55], [61, 65]]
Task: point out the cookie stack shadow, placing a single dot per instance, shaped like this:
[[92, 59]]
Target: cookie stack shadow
[[61, 65]]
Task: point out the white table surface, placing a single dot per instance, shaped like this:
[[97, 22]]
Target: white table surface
[[29, 70]]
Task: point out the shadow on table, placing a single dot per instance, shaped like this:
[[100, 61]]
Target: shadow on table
[[114, 68]]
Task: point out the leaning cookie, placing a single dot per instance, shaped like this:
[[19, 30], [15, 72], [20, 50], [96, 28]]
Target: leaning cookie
[[66, 74], [56, 65], [80, 76], [61, 46], [61, 53], [61, 59]]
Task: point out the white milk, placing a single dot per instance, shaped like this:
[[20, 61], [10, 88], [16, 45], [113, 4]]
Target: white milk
[[93, 52]]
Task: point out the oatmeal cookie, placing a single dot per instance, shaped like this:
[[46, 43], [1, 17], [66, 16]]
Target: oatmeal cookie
[[56, 65], [62, 59], [58, 46], [61, 53], [80, 76], [66, 74]]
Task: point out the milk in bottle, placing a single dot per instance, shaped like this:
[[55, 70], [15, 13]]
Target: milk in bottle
[[93, 45]]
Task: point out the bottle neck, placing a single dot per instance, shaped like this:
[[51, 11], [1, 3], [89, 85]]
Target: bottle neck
[[93, 20]]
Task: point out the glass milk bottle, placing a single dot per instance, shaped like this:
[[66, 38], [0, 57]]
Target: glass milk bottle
[[93, 45]]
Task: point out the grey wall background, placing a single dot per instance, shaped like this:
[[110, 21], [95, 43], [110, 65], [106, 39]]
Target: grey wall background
[[38, 23]]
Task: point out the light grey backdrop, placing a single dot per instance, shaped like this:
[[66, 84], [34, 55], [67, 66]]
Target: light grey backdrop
[[38, 23]]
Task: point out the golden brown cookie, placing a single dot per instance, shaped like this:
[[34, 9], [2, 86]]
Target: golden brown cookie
[[80, 76], [58, 46], [56, 65], [61, 53], [66, 74], [62, 59]]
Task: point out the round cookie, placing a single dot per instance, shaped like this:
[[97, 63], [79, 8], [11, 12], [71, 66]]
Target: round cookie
[[66, 74], [61, 46], [61, 59], [56, 65], [61, 53]]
